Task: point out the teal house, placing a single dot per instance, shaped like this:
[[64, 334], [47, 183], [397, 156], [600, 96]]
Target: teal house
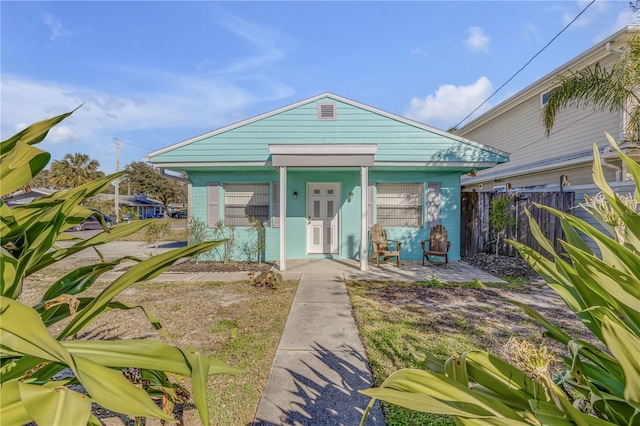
[[320, 172]]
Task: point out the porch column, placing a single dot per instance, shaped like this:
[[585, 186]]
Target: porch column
[[283, 218], [364, 252]]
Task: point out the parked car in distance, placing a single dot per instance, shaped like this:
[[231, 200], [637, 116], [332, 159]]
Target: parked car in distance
[[92, 222], [179, 214]]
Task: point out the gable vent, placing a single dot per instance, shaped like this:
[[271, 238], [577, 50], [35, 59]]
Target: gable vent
[[326, 111]]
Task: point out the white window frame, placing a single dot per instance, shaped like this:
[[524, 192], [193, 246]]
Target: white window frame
[[396, 197], [246, 195], [546, 95]]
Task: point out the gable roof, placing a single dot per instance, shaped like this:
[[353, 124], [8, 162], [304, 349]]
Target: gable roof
[[406, 141]]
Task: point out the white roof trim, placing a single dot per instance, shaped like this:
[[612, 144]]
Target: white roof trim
[[168, 165], [520, 171], [435, 164], [323, 149], [323, 155], [337, 98]]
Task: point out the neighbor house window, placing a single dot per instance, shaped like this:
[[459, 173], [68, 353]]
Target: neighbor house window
[[245, 200], [399, 204], [544, 98]]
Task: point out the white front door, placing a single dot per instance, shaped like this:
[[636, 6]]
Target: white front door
[[323, 208]]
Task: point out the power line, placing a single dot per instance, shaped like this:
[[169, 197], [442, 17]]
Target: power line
[[137, 146], [525, 65]]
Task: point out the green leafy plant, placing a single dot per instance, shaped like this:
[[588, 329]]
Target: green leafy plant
[[31, 357], [257, 246], [500, 218], [594, 386], [155, 232], [198, 233], [227, 234]]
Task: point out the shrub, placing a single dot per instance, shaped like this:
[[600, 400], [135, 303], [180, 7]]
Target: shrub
[[594, 386], [155, 232], [31, 389]]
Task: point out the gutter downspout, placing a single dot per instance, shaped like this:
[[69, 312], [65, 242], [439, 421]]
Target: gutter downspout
[[618, 169]]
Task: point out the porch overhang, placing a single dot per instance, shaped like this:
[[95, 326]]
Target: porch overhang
[[323, 155]]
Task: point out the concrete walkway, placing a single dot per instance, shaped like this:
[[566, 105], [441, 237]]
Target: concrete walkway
[[320, 363]]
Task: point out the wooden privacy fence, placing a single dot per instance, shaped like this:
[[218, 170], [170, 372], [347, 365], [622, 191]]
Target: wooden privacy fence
[[477, 237]]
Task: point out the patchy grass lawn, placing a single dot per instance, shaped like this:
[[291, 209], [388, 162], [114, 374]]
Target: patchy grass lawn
[[231, 321], [396, 319]]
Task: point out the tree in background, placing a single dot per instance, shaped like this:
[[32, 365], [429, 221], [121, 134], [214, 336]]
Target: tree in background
[[615, 88], [74, 170], [144, 179], [40, 181]]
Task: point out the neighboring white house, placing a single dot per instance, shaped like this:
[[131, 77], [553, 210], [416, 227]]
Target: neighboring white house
[[563, 160]]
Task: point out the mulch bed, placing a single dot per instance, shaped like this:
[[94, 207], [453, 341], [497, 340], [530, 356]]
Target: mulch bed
[[503, 266], [190, 266]]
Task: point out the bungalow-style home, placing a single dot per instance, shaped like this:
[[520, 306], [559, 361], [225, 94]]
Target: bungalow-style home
[[320, 172], [561, 161], [137, 205]]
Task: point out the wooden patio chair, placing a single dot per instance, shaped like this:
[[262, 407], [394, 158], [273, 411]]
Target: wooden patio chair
[[438, 244], [380, 244]]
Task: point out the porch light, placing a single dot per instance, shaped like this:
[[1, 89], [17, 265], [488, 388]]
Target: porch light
[[295, 194]]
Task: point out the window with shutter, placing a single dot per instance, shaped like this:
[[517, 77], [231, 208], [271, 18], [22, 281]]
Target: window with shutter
[[243, 201]]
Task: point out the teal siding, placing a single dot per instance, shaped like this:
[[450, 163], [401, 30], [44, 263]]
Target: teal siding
[[406, 145], [349, 210], [397, 141]]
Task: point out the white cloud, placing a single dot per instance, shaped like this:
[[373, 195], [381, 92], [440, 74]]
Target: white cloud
[[477, 41], [57, 30], [419, 51], [530, 33], [593, 13], [451, 103], [624, 18], [62, 134], [267, 43]]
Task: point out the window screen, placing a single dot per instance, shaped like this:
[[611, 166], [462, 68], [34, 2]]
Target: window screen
[[245, 200], [399, 204]]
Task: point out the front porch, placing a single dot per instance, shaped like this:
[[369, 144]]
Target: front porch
[[456, 271]]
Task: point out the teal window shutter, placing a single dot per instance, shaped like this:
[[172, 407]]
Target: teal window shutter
[[213, 203]]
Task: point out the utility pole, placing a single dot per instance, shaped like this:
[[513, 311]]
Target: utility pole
[[117, 204]]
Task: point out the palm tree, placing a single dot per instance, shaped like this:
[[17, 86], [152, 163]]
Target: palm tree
[[74, 170], [616, 88]]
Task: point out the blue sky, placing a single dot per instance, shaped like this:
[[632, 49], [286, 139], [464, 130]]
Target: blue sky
[[156, 73]]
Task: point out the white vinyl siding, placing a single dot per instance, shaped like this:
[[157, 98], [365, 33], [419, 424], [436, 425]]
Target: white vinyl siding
[[399, 204], [520, 131], [245, 200]]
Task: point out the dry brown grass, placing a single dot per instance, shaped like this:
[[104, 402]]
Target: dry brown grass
[[230, 321]]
